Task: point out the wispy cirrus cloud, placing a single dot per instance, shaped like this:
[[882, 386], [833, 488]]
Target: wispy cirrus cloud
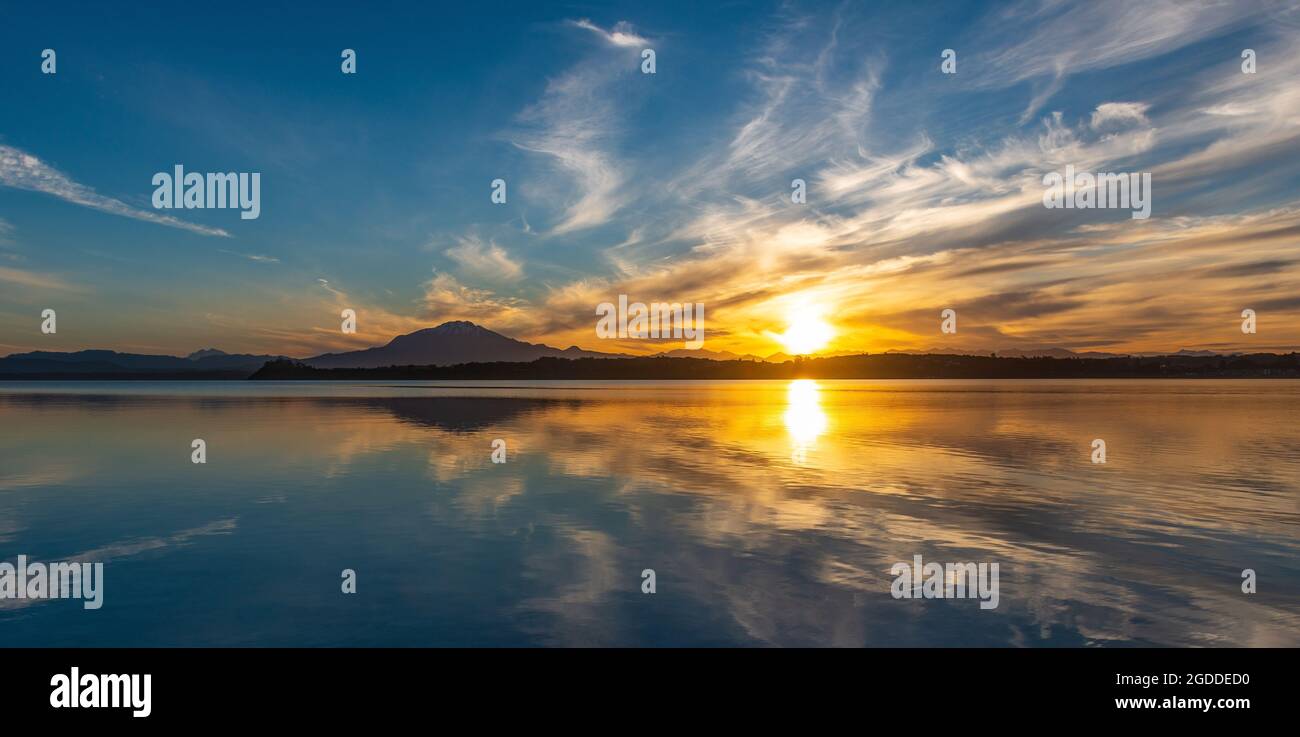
[[1044, 42], [575, 124], [1052, 39], [257, 257], [21, 170], [34, 280], [572, 126]]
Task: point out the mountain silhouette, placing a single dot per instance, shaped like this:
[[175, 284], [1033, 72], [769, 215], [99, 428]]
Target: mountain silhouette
[[109, 363], [446, 345]]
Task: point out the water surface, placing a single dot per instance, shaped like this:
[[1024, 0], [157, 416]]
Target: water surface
[[771, 512]]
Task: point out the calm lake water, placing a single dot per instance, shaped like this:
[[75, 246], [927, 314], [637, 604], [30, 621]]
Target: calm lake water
[[771, 512]]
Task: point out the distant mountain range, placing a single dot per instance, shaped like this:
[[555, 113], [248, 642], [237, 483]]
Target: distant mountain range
[[110, 364], [449, 344]]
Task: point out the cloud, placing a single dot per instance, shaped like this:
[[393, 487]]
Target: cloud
[[802, 119], [1048, 38], [1046, 41], [572, 125], [445, 299], [1119, 113], [21, 170], [486, 261], [31, 279], [621, 35], [575, 124], [254, 257]]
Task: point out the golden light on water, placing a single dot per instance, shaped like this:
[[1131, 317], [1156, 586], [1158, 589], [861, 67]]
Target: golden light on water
[[804, 418]]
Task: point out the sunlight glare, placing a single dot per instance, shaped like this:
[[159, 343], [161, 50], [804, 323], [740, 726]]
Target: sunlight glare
[[804, 418], [805, 331]]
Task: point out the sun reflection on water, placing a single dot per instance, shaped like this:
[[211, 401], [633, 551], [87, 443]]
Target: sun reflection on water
[[804, 418]]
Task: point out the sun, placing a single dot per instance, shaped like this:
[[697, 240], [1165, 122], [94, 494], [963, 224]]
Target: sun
[[806, 332]]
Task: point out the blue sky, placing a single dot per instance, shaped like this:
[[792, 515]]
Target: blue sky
[[924, 188]]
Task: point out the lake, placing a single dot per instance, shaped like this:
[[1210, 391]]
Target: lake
[[771, 513]]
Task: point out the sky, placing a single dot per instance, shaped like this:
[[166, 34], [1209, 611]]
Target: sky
[[924, 189]]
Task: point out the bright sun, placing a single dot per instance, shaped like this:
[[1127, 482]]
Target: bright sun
[[805, 332]]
